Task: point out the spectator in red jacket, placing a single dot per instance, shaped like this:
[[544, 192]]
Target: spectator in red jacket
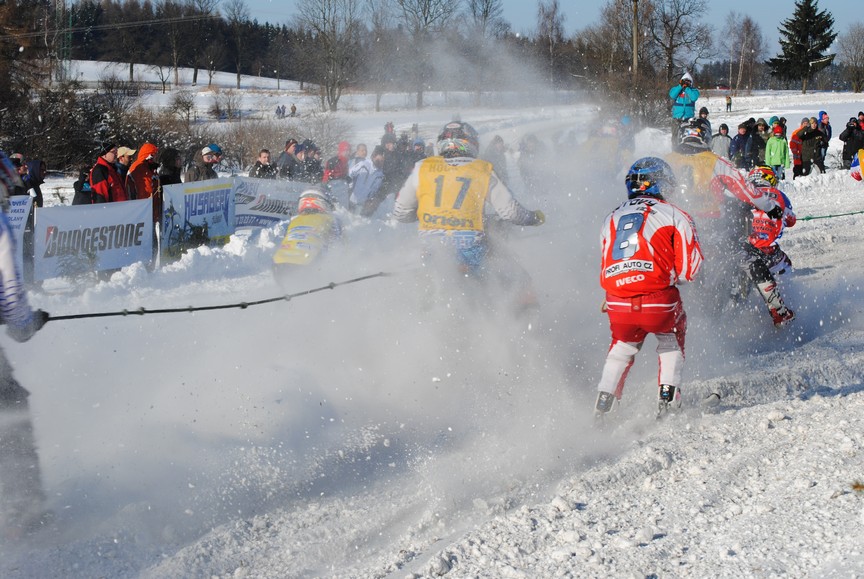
[[104, 180]]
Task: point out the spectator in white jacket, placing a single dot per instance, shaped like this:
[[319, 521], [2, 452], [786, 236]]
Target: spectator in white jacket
[[720, 142], [366, 178]]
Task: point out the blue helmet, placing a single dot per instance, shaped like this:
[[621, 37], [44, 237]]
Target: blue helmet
[[649, 176]]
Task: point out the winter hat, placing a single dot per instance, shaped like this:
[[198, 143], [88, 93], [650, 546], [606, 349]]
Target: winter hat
[[211, 149], [687, 77], [104, 148], [778, 130], [762, 122], [743, 125], [724, 126], [774, 119], [703, 110], [805, 120], [860, 114]]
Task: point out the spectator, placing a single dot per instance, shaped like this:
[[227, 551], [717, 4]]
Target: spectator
[[417, 152], [36, 176], [124, 161], [795, 147], [394, 173], [262, 169], [811, 145], [761, 134], [853, 140], [286, 164], [367, 176], [532, 153], [728, 103], [336, 167], [105, 182], [741, 148], [496, 153], [703, 115], [142, 181], [170, 167], [824, 125], [293, 110], [83, 190], [721, 141], [312, 166], [203, 166], [777, 153], [684, 97], [20, 188], [360, 154]]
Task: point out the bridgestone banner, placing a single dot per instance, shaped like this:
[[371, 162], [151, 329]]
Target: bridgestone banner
[[78, 239]]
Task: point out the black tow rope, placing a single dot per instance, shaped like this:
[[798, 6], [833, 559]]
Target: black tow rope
[[241, 305]]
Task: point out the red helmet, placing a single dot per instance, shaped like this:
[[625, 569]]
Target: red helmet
[[314, 200]]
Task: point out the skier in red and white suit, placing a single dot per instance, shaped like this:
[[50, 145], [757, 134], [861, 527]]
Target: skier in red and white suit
[[761, 256], [648, 246]]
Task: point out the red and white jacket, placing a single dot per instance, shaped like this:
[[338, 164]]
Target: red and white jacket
[[765, 231], [648, 245]]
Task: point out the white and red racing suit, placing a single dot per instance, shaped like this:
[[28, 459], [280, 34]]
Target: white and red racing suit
[[648, 245]]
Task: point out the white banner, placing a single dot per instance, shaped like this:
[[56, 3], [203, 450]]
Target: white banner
[[73, 240], [19, 209], [265, 202], [195, 214]]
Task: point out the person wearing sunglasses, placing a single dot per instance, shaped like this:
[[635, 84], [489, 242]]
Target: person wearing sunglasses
[[203, 167]]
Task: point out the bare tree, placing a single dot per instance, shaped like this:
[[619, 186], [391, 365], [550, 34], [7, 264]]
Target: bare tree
[[163, 73], [727, 43], [751, 50], [379, 63], [237, 14], [550, 31], [201, 32], [336, 26], [485, 24], [850, 50], [680, 36], [422, 18], [174, 30]]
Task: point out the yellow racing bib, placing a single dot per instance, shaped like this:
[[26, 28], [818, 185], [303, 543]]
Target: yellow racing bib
[[452, 197]]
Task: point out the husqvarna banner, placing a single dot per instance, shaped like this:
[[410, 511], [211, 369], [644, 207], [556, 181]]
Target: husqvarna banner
[[195, 214], [79, 239], [20, 207], [265, 202]]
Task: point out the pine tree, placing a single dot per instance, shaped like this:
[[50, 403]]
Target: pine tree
[[805, 37]]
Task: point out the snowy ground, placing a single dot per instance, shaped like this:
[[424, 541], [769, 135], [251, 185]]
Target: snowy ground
[[369, 431]]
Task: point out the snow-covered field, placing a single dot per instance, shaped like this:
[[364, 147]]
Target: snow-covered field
[[370, 431]]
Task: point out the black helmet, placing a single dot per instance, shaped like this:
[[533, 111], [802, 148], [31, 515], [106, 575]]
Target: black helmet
[[458, 139], [650, 176]]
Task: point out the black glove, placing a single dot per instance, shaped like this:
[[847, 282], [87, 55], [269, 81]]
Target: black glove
[[776, 212]]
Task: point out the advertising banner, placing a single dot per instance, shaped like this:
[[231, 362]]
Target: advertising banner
[[195, 214], [264, 202], [77, 239], [20, 207]]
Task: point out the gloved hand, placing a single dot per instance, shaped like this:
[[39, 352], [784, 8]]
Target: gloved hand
[[24, 333], [539, 217], [776, 212]]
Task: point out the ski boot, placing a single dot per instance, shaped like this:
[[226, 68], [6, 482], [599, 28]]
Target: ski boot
[[604, 405], [669, 398], [781, 316]]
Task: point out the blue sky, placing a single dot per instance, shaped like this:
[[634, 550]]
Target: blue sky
[[522, 14]]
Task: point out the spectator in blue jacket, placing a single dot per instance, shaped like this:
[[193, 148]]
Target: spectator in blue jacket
[[741, 148], [683, 97]]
